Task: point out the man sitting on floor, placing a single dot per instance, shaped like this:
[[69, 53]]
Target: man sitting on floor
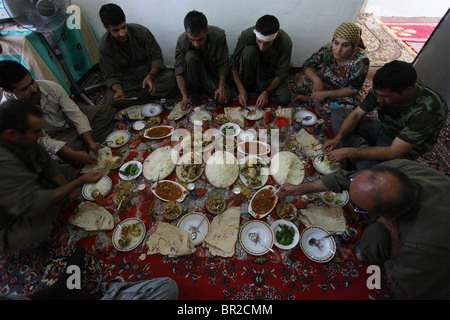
[[33, 185], [71, 131], [261, 60], [202, 61], [409, 240], [411, 116], [131, 61]]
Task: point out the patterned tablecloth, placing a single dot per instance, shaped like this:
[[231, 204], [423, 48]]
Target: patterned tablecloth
[[145, 206]]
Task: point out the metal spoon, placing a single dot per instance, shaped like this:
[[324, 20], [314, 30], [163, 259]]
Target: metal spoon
[[314, 241], [254, 236], [304, 118], [195, 231]]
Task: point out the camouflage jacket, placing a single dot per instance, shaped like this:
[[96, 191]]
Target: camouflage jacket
[[418, 121]]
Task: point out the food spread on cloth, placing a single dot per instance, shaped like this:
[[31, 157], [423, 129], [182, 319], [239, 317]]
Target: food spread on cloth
[[231, 174]]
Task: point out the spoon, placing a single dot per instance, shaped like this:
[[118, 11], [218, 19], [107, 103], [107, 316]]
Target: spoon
[[195, 230], [254, 236], [315, 242], [304, 118]]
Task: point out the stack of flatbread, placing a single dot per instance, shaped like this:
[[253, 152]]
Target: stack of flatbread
[[330, 218], [235, 115], [310, 146], [92, 217], [102, 160], [284, 112], [221, 240], [170, 240], [177, 112]]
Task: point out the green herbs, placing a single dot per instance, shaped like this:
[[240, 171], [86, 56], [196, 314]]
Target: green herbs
[[285, 235]]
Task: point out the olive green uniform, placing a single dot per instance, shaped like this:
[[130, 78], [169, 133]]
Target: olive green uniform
[[26, 217], [421, 269], [129, 63], [257, 68], [202, 68]]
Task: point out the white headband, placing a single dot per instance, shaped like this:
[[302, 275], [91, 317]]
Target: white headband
[[262, 37]]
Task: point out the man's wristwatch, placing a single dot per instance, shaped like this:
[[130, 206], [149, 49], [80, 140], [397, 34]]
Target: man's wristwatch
[[268, 92]]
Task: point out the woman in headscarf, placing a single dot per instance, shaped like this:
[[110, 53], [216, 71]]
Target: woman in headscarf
[[334, 74]]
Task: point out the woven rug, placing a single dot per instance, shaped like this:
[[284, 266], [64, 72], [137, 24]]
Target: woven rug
[[382, 45]]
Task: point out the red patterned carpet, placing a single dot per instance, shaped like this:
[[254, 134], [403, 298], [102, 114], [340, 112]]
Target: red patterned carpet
[[412, 31]]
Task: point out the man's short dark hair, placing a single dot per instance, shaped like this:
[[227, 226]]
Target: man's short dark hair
[[403, 201], [11, 72], [111, 15], [267, 25], [14, 114], [396, 76], [195, 22]]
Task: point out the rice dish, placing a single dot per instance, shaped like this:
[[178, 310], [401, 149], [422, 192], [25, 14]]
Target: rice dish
[[286, 167], [158, 163], [222, 169]]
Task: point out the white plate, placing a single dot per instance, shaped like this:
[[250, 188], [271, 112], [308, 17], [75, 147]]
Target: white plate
[[110, 140], [196, 117], [304, 114], [256, 148], [135, 241], [139, 125], [258, 114], [264, 174], [230, 129], [328, 245], [87, 189], [323, 167], [151, 110], [340, 198], [276, 227], [191, 221], [172, 129], [180, 199], [250, 209], [265, 237], [125, 165]]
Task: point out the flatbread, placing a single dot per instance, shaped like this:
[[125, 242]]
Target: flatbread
[[177, 112], [170, 240], [235, 115], [158, 163], [310, 146], [134, 113], [92, 217], [330, 218], [103, 154], [221, 240]]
